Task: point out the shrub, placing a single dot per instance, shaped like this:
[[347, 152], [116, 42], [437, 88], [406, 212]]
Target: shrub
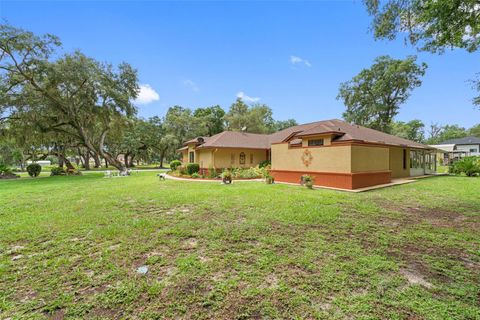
[[307, 181], [264, 163], [212, 173], [470, 166], [34, 170], [7, 173], [4, 169], [193, 168], [250, 173], [181, 170], [174, 164], [75, 172], [269, 179], [227, 176], [195, 175], [57, 171]]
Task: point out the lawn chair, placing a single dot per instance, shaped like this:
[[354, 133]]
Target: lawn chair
[[108, 174]]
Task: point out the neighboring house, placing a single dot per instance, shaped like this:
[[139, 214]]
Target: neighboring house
[[454, 149], [335, 153]]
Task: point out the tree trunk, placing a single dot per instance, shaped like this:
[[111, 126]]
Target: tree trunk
[[125, 159], [62, 159], [131, 164], [68, 164], [86, 161], [106, 163], [109, 159], [22, 163], [80, 155], [96, 159], [161, 161], [82, 163], [57, 151], [162, 156]]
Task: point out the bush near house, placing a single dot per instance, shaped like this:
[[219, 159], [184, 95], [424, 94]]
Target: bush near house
[[247, 173], [307, 181], [192, 168], [264, 163], [57, 171], [470, 166], [34, 170], [212, 173], [174, 164]]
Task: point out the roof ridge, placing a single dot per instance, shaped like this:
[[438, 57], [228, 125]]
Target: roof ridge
[[217, 136]]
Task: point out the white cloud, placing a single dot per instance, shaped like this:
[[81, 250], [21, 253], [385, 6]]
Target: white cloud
[[146, 95], [192, 85], [299, 61], [246, 98]]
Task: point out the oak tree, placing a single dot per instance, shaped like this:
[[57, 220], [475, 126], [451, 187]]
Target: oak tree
[[374, 96]]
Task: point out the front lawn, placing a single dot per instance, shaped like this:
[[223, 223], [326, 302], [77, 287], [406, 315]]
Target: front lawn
[[70, 247]]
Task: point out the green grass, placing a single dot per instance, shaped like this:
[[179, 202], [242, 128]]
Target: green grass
[[442, 169], [70, 248]]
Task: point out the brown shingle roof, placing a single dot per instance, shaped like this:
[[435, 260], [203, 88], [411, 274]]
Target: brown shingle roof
[[231, 139], [356, 132], [343, 131]]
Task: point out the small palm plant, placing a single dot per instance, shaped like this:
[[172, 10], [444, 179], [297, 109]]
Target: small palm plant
[[227, 177], [307, 181]]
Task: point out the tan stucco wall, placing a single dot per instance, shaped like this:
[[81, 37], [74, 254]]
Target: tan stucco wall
[[327, 140], [204, 158], [185, 156], [222, 158], [324, 159], [370, 159], [396, 162]]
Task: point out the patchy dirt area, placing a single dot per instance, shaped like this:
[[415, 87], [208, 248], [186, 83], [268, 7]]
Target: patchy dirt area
[[437, 217]]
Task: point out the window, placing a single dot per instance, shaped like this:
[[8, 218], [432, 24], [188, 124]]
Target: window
[[473, 150], [251, 158], [404, 159], [315, 142], [416, 159], [242, 158], [232, 158], [191, 157]]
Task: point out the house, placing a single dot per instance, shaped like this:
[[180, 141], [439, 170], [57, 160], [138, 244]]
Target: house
[[335, 153], [454, 149]]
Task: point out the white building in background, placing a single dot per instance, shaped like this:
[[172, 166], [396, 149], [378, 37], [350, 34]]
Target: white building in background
[[455, 149], [42, 163]]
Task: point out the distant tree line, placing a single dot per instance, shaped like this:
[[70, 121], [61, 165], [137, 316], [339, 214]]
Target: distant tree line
[[433, 134], [69, 105]]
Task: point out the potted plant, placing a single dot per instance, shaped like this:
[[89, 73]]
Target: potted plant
[[227, 177], [269, 179], [307, 181]]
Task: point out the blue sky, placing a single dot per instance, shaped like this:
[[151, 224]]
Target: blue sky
[[289, 55]]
